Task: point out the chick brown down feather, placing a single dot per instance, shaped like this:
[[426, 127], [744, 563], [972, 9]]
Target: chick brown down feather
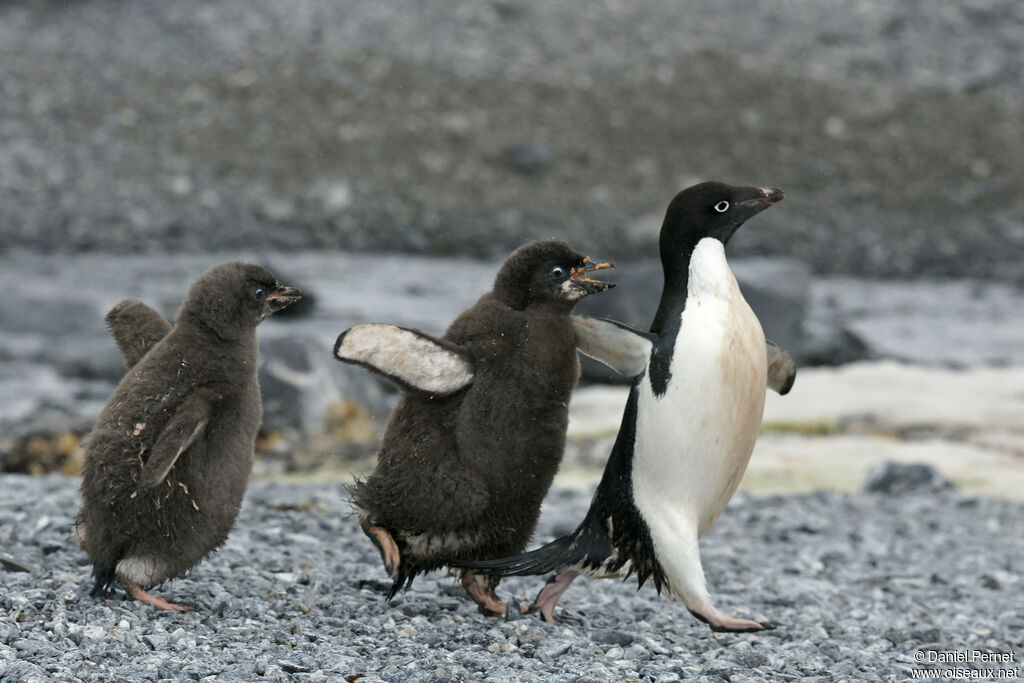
[[192, 401], [463, 475]]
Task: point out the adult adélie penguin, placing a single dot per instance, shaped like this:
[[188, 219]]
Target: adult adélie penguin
[[690, 421]]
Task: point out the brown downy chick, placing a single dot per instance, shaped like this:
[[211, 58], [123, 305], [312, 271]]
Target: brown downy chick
[[169, 458], [477, 437]]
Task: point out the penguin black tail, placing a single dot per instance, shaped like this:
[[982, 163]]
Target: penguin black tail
[[104, 579], [403, 579], [571, 550]]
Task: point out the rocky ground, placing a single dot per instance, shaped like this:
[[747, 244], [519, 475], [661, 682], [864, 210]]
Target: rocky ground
[[461, 127], [867, 586]]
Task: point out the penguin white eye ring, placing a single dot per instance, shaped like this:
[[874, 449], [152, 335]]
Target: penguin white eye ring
[[558, 272], [722, 206]]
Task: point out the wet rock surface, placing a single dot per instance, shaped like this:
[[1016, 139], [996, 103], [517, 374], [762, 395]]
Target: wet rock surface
[[864, 585], [58, 364], [452, 127]]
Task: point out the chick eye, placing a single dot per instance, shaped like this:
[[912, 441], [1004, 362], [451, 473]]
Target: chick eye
[[258, 293], [722, 206], [558, 272]]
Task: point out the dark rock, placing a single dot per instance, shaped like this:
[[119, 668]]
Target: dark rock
[[778, 290], [896, 636], [514, 611], [612, 637], [926, 635], [529, 158], [551, 649], [894, 478], [300, 381], [990, 582], [294, 667], [156, 641], [9, 631], [832, 344]]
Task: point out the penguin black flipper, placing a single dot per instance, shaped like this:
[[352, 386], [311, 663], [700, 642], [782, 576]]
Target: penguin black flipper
[[181, 431], [136, 328], [781, 369], [620, 347], [416, 362]]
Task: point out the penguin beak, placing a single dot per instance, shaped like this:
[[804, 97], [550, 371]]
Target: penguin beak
[[588, 285], [282, 297], [764, 197]]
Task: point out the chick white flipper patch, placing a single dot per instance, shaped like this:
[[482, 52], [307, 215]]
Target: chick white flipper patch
[[781, 369], [416, 362], [624, 350]]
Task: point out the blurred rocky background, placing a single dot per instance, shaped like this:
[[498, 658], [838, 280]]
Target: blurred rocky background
[[386, 155], [467, 127]]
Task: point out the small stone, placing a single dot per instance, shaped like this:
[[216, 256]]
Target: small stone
[[156, 641], [551, 650], [514, 611], [13, 564], [293, 667], [926, 635], [611, 637], [990, 582], [529, 158], [895, 478]]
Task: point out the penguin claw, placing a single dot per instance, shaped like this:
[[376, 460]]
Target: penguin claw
[[481, 588], [140, 594], [742, 626], [720, 623], [389, 553]]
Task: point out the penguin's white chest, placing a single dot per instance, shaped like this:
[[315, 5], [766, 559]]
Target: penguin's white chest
[[694, 441]]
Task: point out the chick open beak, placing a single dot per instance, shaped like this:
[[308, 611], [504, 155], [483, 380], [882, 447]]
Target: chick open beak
[[283, 297], [579, 276]]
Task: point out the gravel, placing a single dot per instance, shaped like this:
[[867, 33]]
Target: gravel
[[862, 585]]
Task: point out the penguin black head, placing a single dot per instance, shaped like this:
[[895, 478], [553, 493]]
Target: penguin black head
[[234, 297], [547, 273], [710, 210]]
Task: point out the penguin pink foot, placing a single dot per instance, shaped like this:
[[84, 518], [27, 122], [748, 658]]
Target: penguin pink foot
[[721, 623], [481, 588], [140, 594], [552, 591]]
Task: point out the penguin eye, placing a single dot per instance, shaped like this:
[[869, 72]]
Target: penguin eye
[[722, 206], [558, 272], [258, 293]]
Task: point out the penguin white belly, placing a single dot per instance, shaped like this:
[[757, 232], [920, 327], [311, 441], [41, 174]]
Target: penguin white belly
[[694, 441]]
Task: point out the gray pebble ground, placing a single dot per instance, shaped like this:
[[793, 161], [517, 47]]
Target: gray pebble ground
[[862, 584]]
